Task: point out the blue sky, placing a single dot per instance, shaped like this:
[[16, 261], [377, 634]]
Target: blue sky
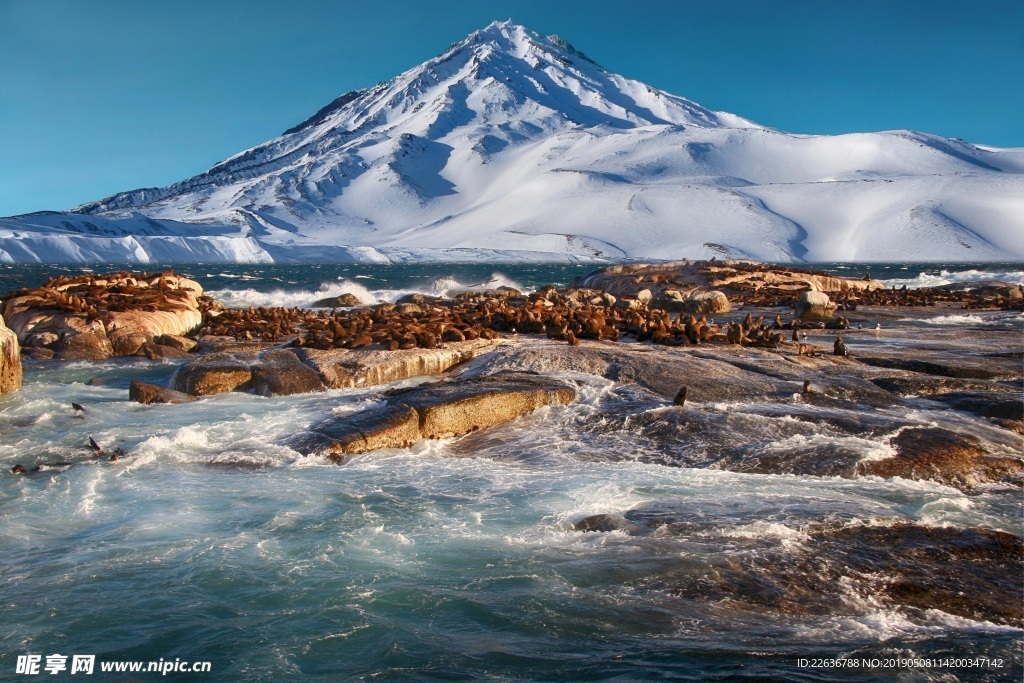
[[109, 95]]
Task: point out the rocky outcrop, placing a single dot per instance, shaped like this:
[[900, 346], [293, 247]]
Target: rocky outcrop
[[215, 373], [10, 360], [340, 368], [733, 278], [973, 573], [706, 303], [146, 394], [345, 300], [282, 372], [97, 316], [944, 456], [434, 411], [279, 372], [814, 305]]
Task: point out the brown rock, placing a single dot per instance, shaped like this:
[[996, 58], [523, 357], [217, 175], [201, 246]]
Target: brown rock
[[459, 407], [215, 373], [128, 343], [279, 372], [396, 426], [944, 456], [10, 360], [181, 343], [162, 352], [149, 393], [706, 303], [342, 301], [84, 346], [434, 411], [814, 305], [340, 368]]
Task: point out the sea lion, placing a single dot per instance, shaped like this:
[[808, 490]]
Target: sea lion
[[680, 398], [839, 348]]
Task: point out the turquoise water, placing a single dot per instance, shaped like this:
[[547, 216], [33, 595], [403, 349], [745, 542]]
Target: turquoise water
[[453, 560]]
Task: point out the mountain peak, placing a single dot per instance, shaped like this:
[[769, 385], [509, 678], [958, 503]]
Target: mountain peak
[[511, 141]]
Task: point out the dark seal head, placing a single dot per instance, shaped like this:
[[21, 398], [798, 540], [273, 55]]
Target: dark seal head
[[19, 469]]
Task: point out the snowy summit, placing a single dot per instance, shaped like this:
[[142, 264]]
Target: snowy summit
[[513, 145]]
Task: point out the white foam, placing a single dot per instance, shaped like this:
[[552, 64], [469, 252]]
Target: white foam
[[305, 298], [971, 319], [946, 277]]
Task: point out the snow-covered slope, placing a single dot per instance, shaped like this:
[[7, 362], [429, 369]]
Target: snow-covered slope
[[511, 145]]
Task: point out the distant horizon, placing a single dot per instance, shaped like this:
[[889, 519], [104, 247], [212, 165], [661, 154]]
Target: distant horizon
[[107, 97]]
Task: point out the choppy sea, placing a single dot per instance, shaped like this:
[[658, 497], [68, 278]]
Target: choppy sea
[[453, 560]]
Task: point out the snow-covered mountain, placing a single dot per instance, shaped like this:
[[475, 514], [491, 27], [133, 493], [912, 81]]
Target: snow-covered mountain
[[512, 145]]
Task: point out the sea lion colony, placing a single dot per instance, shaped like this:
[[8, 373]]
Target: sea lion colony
[[93, 295], [420, 321], [426, 322]]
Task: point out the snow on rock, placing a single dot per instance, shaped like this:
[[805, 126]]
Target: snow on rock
[[515, 146]]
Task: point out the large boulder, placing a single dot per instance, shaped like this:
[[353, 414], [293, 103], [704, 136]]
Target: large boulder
[[814, 305], [345, 300], [279, 372], [146, 394], [434, 411], [118, 314], [215, 373], [454, 408], [10, 360], [394, 426], [706, 303]]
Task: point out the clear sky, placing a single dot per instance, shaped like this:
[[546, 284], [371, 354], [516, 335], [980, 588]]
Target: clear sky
[[108, 95]]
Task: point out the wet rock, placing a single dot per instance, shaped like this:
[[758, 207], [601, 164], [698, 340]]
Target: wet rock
[[340, 368], [215, 373], [39, 353], [344, 300], [128, 343], [10, 360], [606, 523], [84, 346], [149, 393], [814, 305], [1000, 405], [216, 344], [835, 568], [394, 426], [178, 342], [41, 339], [455, 408], [944, 456], [279, 372], [917, 385], [961, 368], [434, 411], [707, 303], [161, 352]]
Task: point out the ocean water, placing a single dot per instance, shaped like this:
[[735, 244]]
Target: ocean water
[[456, 559]]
